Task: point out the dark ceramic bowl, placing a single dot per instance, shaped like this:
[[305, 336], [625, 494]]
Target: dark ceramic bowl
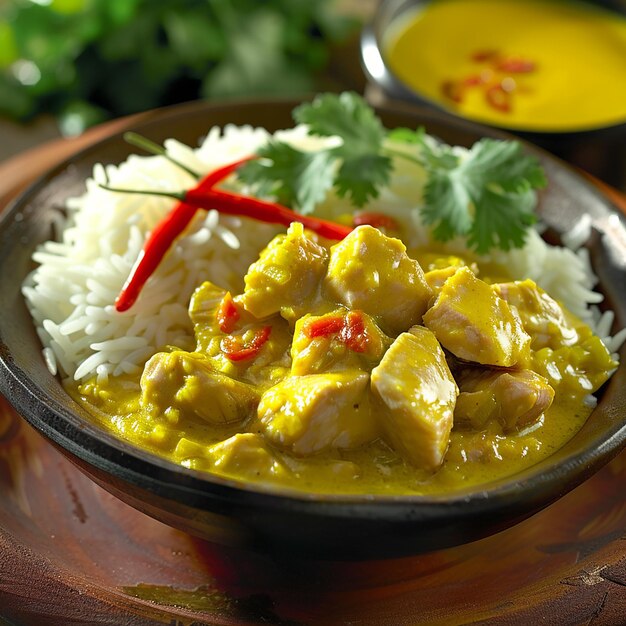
[[600, 151], [225, 511]]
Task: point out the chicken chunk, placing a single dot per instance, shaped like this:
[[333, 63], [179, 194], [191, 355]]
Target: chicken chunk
[[308, 414], [288, 273], [416, 393], [336, 341], [203, 308], [542, 317], [178, 385], [516, 399], [373, 273], [470, 320], [246, 454]]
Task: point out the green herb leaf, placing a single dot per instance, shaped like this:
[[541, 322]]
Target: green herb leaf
[[357, 168], [364, 168], [360, 177], [347, 116], [294, 177], [487, 196]]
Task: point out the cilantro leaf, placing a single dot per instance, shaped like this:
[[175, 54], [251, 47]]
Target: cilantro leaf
[[406, 135], [487, 195], [364, 169], [444, 195], [359, 178], [503, 163], [502, 221], [347, 116], [357, 167], [294, 177]]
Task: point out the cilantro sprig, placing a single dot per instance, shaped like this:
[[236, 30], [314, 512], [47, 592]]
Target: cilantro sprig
[[357, 168], [486, 195]]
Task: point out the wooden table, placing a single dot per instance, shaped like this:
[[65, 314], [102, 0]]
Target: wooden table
[[70, 553]]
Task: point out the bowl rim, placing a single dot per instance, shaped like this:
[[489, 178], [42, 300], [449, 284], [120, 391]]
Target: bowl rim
[[68, 431]]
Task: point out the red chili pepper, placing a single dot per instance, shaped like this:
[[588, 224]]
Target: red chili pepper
[[234, 204], [236, 350], [227, 314], [163, 236], [476, 79], [204, 196], [377, 220]]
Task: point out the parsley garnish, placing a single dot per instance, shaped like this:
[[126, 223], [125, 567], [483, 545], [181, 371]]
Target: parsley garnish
[[485, 195]]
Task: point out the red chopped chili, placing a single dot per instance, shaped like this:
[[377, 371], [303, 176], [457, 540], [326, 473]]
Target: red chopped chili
[[484, 55], [324, 326], [353, 333], [499, 98], [350, 329], [227, 314], [476, 79], [516, 65], [499, 67], [235, 349]]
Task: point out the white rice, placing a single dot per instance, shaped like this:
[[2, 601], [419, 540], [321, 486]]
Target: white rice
[[71, 292]]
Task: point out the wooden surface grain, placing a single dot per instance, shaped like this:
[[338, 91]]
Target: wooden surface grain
[[70, 553]]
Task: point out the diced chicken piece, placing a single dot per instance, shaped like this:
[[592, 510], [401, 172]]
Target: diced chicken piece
[[544, 320], [516, 398], [564, 349], [204, 303], [203, 308], [288, 273], [178, 384], [470, 320], [246, 455], [336, 341], [308, 414], [416, 394], [372, 272]]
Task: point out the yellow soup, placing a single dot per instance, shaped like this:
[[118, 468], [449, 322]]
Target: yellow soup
[[529, 64]]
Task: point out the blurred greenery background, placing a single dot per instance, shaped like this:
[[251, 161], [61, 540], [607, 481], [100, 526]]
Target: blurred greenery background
[[86, 61]]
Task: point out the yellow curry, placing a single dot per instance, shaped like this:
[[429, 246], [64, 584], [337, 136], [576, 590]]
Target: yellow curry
[[537, 65], [356, 368]]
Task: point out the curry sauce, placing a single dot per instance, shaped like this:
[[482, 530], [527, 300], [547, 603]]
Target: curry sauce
[[354, 368]]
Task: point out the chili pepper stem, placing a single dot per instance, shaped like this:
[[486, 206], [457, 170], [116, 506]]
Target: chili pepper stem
[[139, 141], [175, 195]]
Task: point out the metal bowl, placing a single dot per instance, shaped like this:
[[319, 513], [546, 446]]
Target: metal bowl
[[273, 519], [600, 151]]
